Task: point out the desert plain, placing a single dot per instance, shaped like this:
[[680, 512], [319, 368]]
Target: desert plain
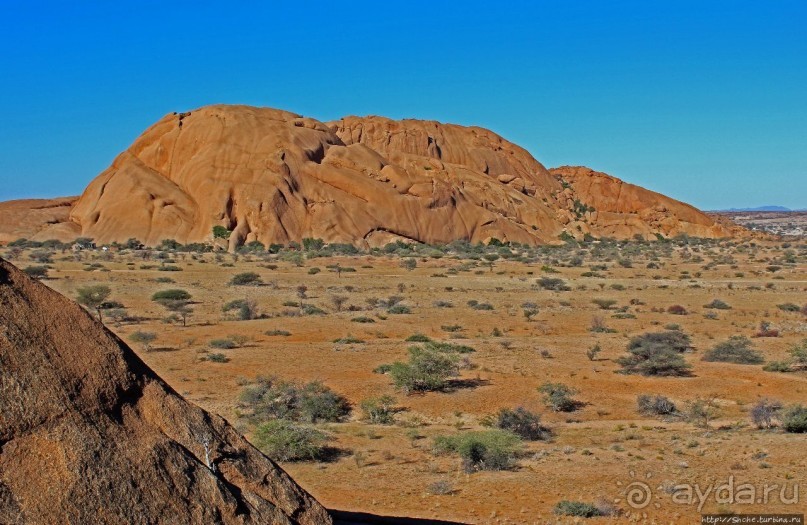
[[531, 316]]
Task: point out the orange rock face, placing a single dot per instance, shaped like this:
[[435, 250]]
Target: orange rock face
[[275, 177], [622, 210], [38, 219], [89, 434]]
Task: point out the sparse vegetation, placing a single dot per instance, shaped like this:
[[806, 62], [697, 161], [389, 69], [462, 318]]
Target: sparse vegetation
[[272, 398], [143, 338], [284, 440], [553, 283], [481, 450], [559, 397], [428, 369], [717, 304], [738, 349], [794, 419], [577, 508], [657, 354], [245, 309], [379, 410], [94, 297], [522, 423], [176, 301], [765, 413], [246, 279], [655, 405]]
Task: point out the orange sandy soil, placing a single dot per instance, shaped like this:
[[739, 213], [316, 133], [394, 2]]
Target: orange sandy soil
[[596, 452]]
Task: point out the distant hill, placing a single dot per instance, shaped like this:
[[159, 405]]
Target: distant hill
[[760, 208], [274, 177]]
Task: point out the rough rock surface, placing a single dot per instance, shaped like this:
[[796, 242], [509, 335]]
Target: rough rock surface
[[273, 176], [623, 210], [38, 219], [89, 434]]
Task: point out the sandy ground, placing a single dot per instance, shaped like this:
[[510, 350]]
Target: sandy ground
[[598, 452]]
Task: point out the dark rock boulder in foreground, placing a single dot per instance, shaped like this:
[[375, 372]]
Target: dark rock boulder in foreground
[[90, 434]]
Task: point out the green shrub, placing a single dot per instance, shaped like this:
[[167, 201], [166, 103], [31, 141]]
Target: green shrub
[[604, 304], [220, 232], [270, 398], [36, 272], [657, 354], [310, 309], [799, 354], [382, 369], [399, 309], [427, 370], [553, 283], [312, 244], [481, 450], [577, 508], [283, 440], [523, 423], [655, 405], [246, 279], [284, 333], [702, 410], [777, 366], [379, 410], [173, 294], [223, 344], [348, 340], [217, 358], [445, 347], [144, 338], [717, 304], [245, 309], [738, 349], [418, 338], [788, 307], [559, 397], [794, 419], [483, 306]]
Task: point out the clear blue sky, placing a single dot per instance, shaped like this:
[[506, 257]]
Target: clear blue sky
[[705, 101]]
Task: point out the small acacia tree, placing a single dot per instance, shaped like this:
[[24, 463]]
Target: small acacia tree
[[94, 297], [176, 301], [144, 338], [702, 410], [338, 301]]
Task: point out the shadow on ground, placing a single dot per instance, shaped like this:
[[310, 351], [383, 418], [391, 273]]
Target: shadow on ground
[[344, 517]]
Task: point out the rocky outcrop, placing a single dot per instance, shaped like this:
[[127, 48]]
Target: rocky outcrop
[[605, 206], [273, 176], [89, 434], [38, 219]]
